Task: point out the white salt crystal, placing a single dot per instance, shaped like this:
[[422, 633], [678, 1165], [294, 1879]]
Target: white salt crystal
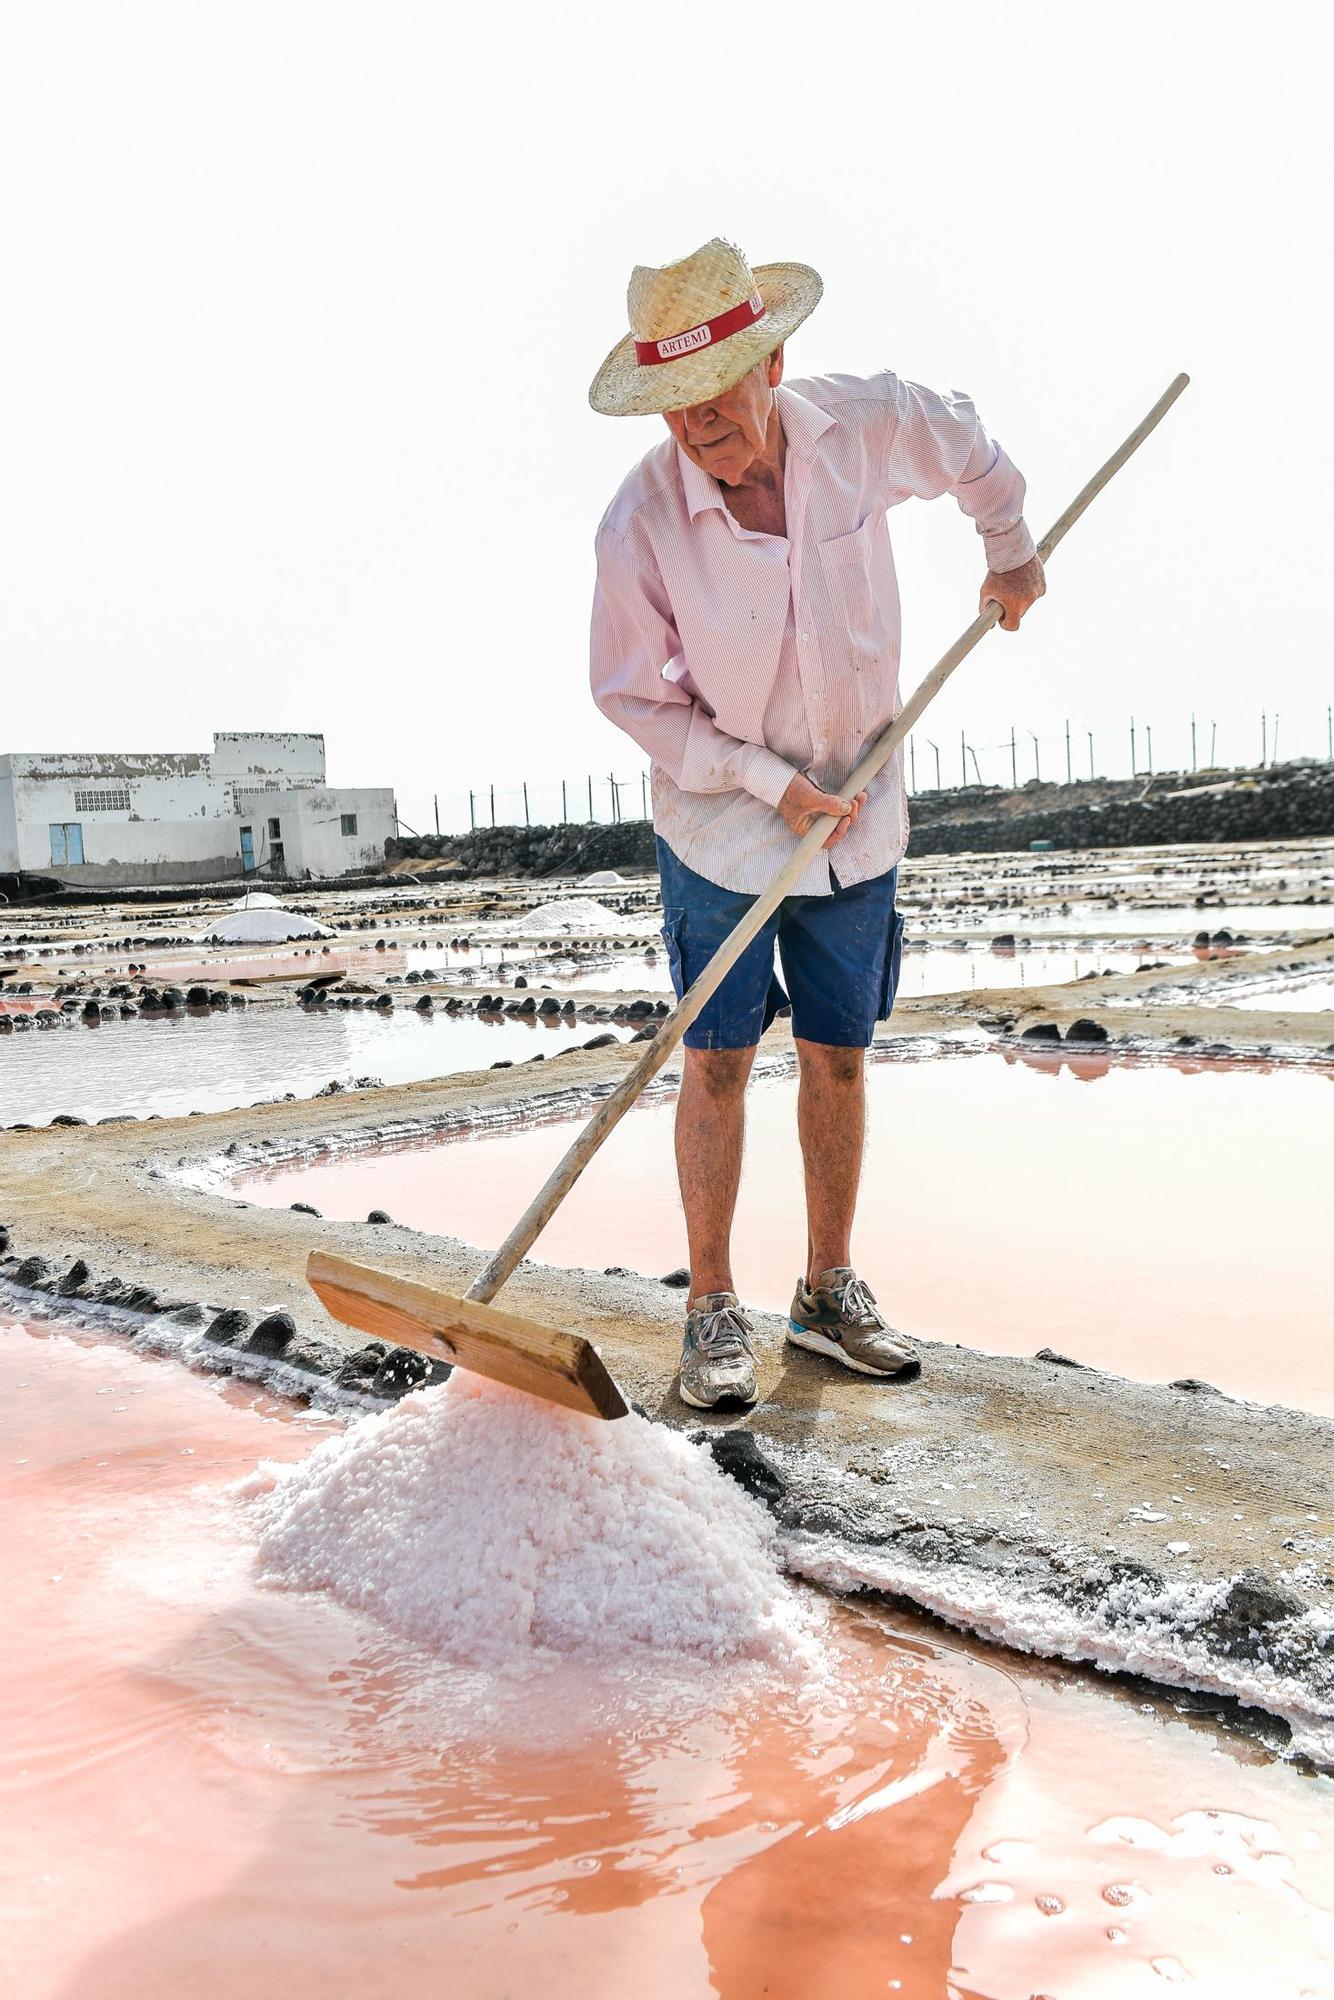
[[482, 1523]]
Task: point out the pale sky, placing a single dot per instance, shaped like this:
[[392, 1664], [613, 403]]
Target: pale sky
[[302, 301]]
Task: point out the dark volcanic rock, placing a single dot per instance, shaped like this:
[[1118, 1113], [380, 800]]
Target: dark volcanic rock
[[1041, 1031], [1253, 1606], [357, 1371], [1061, 1360], [379, 1215], [303, 1208], [737, 1454], [78, 1274], [1086, 1031], [228, 1326], [402, 1370], [1192, 1386], [31, 1271], [272, 1334], [679, 1278]]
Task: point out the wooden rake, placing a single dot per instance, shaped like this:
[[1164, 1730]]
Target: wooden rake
[[563, 1367]]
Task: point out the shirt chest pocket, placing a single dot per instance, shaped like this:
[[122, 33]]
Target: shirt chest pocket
[[858, 572]]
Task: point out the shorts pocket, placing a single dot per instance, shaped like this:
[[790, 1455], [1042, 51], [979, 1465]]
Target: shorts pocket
[[889, 984]]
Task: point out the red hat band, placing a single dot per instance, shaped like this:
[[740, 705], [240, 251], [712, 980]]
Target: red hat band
[[652, 353]]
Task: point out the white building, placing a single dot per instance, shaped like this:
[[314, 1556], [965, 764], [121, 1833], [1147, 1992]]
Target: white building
[[257, 805]]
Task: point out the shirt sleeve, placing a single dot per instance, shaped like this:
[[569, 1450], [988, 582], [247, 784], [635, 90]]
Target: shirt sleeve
[[937, 444], [633, 639]]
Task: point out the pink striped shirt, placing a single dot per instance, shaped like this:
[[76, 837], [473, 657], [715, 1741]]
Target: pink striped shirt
[[736, 659]]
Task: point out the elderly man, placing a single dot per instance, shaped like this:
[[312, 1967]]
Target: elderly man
[[746, 635]]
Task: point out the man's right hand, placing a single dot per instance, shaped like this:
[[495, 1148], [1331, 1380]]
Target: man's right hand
[[803, 803]]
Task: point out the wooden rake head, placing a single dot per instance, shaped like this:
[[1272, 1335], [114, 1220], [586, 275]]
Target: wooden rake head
[[561, 1367]]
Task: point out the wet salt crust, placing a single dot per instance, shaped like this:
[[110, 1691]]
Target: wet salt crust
[[485, 1524]]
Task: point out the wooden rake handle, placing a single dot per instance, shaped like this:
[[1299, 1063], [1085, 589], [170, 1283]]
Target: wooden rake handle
[[612, 1109]]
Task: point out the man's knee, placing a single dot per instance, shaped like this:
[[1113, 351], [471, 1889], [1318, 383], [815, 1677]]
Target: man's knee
[[720, 1072], [836, 1065]]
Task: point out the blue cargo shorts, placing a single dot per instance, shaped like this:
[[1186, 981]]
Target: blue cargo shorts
[[840, 956]]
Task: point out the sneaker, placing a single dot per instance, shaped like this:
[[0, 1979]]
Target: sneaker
[[838, 1316], [717, 1359]]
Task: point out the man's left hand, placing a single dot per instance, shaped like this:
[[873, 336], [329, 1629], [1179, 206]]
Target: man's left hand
[[1014, 590]]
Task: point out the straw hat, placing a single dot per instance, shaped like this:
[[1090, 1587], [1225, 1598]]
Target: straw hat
[[698, 326]]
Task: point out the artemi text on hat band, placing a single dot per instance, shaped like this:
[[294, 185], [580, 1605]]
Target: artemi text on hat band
[[652, 353]]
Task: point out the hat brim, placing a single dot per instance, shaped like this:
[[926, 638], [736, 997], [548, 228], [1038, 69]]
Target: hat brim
[[623, 388]]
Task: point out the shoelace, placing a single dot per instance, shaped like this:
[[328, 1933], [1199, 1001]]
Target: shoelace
[[856, 1302], [723, 1335]]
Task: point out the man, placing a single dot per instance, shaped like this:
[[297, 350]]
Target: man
[[746, 635]]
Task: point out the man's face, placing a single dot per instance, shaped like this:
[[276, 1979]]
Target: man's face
[[726, 436]]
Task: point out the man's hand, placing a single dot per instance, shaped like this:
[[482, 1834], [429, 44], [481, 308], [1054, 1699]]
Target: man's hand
[[1014, 590], [803, 803]]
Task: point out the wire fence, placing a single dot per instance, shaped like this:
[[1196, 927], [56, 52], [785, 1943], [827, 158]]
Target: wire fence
[[1069, 754]]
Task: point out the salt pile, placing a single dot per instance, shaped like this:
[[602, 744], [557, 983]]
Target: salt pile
[[249, 923], [574, 913], [603, 878], [485, 1524]]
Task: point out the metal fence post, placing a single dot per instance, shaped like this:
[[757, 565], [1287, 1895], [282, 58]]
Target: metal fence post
[[643, 792], [1132, 746], [526, 820], [1069, 773], [592, 816], [493, 805], [1090, 738], [1148, 733], [564, 809], [936, 748], [1192, 743], [472, 812], [1037, 759], [1014, 762], [912, 764]]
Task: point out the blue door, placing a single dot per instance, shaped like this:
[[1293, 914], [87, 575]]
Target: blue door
[[247, 849], [66, 845]]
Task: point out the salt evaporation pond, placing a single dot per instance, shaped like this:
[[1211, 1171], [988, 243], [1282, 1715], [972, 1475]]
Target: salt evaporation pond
[[219, 1788], [184, 1062], [1089, 918], [926, 969], [1156, 1220]]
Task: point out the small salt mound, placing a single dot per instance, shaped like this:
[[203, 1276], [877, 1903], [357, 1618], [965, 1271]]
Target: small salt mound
[[257, 899], [484, 1523], [260, 926], [603, 878], [572, 913]]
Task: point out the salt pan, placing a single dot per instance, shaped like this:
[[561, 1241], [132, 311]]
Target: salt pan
[[484, 1523]]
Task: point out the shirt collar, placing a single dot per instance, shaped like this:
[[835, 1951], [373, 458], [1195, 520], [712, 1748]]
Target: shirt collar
[[803, 424]]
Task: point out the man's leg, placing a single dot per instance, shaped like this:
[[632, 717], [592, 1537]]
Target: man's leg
[[710, 1128], [831, 1125]]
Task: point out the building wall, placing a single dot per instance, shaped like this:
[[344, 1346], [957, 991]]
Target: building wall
[[311, 820], [151, 818], [286, 759], [9, 835]]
